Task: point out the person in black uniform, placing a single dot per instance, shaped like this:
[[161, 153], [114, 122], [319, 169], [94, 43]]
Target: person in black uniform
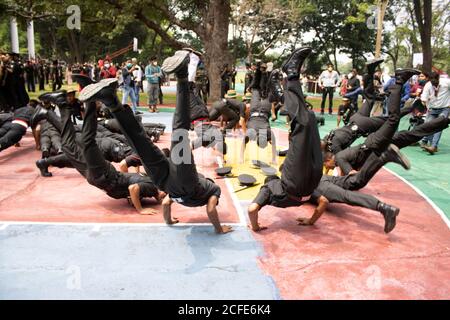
[[249, 75], [208, 135], [330, 192], [41, 75], [230, 109], [12, 132], [88, 159], [29, 72], [352, 159], [76, 106], [258, 125], [57, 76], [176, 175], [50, 139], [302, 168]]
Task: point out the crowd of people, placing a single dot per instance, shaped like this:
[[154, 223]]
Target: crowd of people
[[315, 170]]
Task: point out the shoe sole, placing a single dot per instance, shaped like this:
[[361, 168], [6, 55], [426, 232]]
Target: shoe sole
[[405, 161], [391, 222], [290, 57], [172, 63], [92, 89]]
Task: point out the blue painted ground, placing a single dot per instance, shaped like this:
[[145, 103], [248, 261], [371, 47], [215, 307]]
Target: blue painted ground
[[77, 262]]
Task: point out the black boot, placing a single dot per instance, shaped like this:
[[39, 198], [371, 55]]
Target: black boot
[[393, 154], [293, 64], [178, 64], [39, 114], [45, 153], [390, 214], [55, 97], [274, 83], [403, 75], [103, 91], [43, 167], [372, 65], [82, 80]]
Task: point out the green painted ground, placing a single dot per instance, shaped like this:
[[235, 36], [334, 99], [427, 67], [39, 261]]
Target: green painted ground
[[430, 174]]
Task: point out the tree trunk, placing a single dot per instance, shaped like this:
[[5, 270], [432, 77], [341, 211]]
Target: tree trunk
[[215, 39], [424, 16]]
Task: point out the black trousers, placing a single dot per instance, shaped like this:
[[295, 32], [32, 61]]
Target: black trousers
[[57, 85], [49, 140], [30, 84], [70, 146], [101, 173], [337, 194], [327, 91], [59, 161], [354, 157], [209, 136], [5, 127], [177, 178], [13, 133], [220, 109], [359, 180], [380, 140], [302, 169]]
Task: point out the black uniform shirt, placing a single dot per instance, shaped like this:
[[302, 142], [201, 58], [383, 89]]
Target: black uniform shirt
[[272, 193], [204, 190], [24, 114]]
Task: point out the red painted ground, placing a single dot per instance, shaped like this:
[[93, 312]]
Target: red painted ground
[[67, 197], [346, 255]]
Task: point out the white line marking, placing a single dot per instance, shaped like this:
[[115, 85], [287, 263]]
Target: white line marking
[[435, 207], [111, 224], [236, 202], [4, 226]]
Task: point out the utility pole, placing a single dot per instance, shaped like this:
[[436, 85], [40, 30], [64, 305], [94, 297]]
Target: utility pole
[[381, 7]]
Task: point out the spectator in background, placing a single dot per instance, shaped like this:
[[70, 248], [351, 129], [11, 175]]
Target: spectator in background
[[108, 70], [344, 83], [128, 86], [137, 75], [153, 75], [417, 88], [353, 84], [224, 80], [328, 81], [436, 97]]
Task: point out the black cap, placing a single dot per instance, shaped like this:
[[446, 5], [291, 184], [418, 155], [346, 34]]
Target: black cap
[[223, 171], [246, 179], [260, 164], [269, 171]]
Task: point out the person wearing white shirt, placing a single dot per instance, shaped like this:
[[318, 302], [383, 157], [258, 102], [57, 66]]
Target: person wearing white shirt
[[328, 81], [436, 97]]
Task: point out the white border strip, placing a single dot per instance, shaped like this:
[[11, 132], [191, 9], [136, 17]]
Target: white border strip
[[435, 207], [236, 202]]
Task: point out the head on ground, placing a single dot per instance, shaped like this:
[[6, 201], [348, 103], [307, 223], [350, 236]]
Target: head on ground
[[329, 160]]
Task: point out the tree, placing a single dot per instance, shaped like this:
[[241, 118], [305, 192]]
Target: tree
[[208, 20], [424, 16], [261, 24]]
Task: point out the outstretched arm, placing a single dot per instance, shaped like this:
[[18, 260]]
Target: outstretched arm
[[211, 210], [134, 190], [320, 209], [166, 204], [253, 211]]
